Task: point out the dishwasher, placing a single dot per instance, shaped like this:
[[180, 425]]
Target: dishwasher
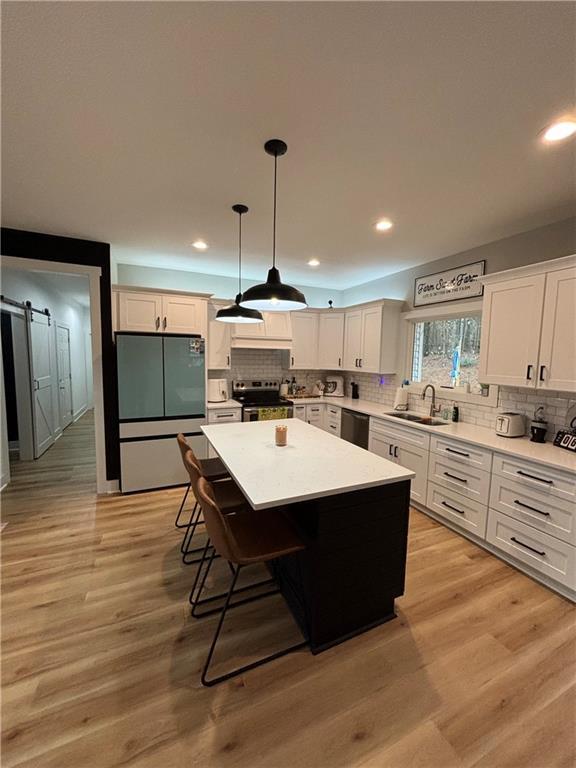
[[354, 428]]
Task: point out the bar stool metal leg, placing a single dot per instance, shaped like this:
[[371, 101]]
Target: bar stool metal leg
[[246, 667], [177, 523]]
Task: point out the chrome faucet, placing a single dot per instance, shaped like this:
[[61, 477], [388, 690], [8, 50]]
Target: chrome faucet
[[433, 409]]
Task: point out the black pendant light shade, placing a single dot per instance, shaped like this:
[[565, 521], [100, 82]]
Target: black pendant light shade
[[235, 313], [274, 295]]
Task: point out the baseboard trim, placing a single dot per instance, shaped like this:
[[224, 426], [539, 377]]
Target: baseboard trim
[[79, 413]]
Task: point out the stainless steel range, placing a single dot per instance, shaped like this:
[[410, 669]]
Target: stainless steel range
[[261, 400]]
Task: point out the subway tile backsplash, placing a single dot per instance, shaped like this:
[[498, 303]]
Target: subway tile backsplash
[[559, 407]]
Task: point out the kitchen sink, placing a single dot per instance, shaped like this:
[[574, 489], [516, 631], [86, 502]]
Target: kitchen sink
[[428, 420]]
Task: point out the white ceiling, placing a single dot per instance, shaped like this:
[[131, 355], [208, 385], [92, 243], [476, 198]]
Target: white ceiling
[[140, 124]]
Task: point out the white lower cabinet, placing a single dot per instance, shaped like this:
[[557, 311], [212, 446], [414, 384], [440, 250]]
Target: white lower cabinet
[[554, 558], [332, 419], [315, 415], [300, 412], [406, 447], [466, 480], [460, 511], [222, 416]]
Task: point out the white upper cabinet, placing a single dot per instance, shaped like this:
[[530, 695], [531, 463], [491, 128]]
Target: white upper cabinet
[[352, 340], [162, 313], [304, 352], [529, 327], [219, 336], [371, 338], [139, 312], [278, 325], [510, 340], [274, 333], [330, 340], [184, 314], [557, 364]]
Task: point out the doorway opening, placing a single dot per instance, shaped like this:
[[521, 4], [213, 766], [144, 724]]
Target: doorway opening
[[46, 364]]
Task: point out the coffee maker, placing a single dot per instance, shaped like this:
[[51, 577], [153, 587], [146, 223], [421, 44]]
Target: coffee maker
[[538, 427]]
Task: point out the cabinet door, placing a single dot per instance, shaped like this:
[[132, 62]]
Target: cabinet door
[[415, 459], [352, 340], [219, 345], [300, 412], [249, 330], [184, 314], [557, 365], [511, 322], [371, 338], [304, 353], [330, 340], [381, 446], [277, 325], [139, 311], [314, 415]]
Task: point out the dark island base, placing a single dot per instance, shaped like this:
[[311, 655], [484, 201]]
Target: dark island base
[[354, 565]]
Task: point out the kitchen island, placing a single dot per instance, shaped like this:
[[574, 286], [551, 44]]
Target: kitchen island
[[350, 506]]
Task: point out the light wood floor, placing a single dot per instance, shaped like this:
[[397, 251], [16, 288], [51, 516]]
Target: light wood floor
[[101, 658]]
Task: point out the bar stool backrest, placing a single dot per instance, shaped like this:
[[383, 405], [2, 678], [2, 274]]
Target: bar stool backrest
[[183, 445], [218, 530]]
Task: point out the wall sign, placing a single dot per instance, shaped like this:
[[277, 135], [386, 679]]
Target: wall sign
[[457, 283]]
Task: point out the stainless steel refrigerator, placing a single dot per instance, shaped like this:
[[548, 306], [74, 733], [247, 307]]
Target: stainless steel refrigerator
[[161, 391]]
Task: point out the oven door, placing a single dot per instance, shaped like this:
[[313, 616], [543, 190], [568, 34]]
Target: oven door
[[267, 412]]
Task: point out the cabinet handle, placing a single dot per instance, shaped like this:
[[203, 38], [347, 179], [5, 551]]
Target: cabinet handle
[[227, 359], [455, 477], [292, 360], [529, 372], [390, 449], [460, 453], [454, 509], [224, 415], [164, 324], [395, 451], [360, 363], [533, 509], [356, 363], [536, 551], [533, 477], [339, 362], [157, 323], [541, 376]]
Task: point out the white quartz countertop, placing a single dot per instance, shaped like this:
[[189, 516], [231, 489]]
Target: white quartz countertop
[[542, 453], [314, 464], [223, 404]]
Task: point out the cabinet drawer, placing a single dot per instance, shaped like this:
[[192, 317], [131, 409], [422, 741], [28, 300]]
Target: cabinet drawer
[[300, 412], [552, 482], [465, 513], [333, 427], [464, 453], [395, 433], [534, 507], [556, 559], [469, 481], [333, 413], [223, 415]]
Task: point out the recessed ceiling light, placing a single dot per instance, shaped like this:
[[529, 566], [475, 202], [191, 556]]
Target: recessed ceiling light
[[384, 225], [560, 130], [313, 263], [200, 245]]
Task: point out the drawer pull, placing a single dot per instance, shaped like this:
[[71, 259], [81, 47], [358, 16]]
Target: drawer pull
[[390, 449], [536, 551], [533, 477], [533, 509], [455, 477], [224, 415], [454, 509], [395, 451], [460, 453]]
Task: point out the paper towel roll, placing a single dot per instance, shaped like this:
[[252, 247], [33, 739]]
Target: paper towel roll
[[401, 399]]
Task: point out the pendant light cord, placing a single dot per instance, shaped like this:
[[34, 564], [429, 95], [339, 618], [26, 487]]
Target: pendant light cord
[[239, 253], [274, 217]]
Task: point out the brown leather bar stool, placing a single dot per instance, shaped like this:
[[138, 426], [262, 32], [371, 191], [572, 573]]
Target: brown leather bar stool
[[212, 469], [230, 497], [244, 540]]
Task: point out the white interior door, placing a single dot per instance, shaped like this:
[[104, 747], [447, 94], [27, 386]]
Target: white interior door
[[42, 382], [64, 376]]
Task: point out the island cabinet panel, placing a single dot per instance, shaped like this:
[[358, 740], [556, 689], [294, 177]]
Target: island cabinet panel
[[353, 568]]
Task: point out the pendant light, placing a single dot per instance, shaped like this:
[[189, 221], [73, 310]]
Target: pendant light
[[235, 313], [274, 295]]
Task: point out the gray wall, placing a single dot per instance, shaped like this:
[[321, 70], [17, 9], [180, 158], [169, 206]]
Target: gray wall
[[550, 242]]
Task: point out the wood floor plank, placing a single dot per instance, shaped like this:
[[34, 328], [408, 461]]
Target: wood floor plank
[[101, 658]]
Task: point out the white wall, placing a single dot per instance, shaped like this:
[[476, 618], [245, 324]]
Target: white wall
[[218, 285], [42, 290]]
